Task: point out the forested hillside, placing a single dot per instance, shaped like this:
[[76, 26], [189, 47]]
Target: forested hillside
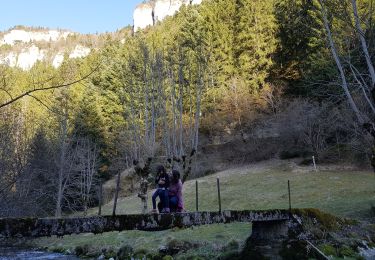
[[243, 80]]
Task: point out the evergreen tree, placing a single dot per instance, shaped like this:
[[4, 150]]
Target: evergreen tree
[[255, 41]]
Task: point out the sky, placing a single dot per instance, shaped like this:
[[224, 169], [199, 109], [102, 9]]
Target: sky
[[83, 16]]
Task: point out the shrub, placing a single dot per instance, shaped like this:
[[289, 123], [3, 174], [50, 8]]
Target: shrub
[[229, 255], [328, 249], [141, 251], [232, 245], [373, 210], [81, 250], [57, 250], [110, 253], [174, 246], [294, 250], [284, 155], [153, 256], [125, 252], [347, 251]]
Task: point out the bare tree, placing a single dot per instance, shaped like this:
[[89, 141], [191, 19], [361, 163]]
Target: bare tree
[[86, 168], [362, 108], [143, 172], [361, 35], [344, 82]]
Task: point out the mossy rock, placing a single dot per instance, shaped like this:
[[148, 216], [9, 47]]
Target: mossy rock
[[327, 221], [318, 233]]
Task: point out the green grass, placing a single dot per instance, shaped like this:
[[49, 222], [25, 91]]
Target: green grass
[[211, 238], [343, 193]]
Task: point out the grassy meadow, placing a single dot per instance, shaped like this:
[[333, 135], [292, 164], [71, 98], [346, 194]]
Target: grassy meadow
[[345, 193]]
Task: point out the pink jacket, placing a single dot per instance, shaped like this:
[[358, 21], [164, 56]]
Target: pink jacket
[[175, 189]]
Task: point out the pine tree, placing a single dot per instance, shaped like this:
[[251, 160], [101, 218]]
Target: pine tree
[[255, 41]]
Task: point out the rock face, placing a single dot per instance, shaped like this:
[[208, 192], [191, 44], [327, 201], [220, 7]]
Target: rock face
[[79, 52], [28, 57], [147, 14], [58, 60], [17, 35], [143, 16], [23, 47]]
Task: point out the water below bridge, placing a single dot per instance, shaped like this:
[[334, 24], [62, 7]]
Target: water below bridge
[[16, 253]]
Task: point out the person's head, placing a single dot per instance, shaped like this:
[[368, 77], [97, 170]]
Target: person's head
[[175, 176], [160, 170]]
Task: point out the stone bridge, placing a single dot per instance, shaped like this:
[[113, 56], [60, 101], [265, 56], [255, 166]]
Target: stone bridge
[[265, 223]]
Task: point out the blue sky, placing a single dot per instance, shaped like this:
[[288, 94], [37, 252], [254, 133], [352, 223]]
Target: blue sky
[[84, 16]]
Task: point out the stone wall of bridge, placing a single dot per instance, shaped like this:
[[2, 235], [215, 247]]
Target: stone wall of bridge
[[33, 227]]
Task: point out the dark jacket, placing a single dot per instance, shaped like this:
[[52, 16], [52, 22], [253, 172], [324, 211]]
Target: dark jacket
[[164, 177]]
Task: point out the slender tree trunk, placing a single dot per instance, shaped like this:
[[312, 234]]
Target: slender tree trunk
[[344, 83], [146, 100], [63, 147], [191, 113], [181, 88], [198, 106], [173, 102], [362, 87]]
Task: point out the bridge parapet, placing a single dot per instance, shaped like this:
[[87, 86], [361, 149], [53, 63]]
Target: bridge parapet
[[34, 227]]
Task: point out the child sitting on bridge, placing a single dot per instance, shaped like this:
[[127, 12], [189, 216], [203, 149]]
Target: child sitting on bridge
[[176, 202], [162, 182]]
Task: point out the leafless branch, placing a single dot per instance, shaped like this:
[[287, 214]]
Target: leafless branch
[[27, 93]]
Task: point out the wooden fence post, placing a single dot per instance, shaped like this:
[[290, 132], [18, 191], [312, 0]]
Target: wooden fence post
[[116, 193], [290, 202], [313, 158], [218, 193], [196, 195], [100, 197]]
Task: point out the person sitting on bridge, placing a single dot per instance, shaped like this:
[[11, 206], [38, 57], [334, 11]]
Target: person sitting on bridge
[[162, 182], [176, 202]]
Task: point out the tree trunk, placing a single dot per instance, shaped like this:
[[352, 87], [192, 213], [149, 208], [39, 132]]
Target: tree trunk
[[63, 147], [361, 35]]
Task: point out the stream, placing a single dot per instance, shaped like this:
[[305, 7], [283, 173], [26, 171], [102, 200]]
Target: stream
[[12, 253]]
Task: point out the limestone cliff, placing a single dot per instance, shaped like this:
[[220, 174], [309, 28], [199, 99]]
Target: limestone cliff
[[23, 47], [148, 13]]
